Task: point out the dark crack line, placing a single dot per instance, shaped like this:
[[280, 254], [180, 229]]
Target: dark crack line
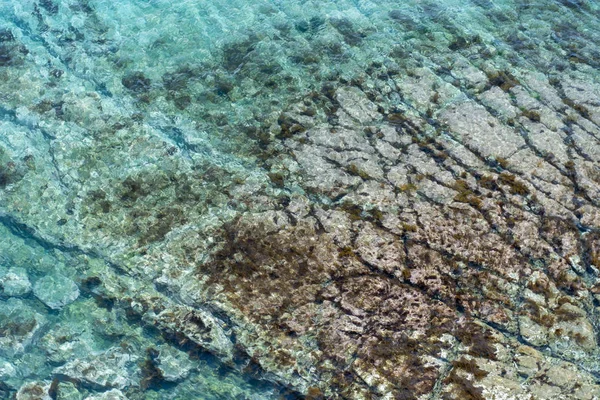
[[11, 116], [28, 233], [36, 38]]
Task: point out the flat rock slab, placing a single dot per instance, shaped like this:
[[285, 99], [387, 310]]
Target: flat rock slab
[[113, 394], [56, 291], [110, 369], [14, 282], [173, 364], [19, 325], [34, 391], [344, 199]]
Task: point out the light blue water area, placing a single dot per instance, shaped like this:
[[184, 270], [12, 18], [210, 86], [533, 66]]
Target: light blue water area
[[52, 331], [210, 78]]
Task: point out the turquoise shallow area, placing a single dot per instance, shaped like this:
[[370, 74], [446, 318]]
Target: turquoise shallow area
[[93, 93], [38, 337]]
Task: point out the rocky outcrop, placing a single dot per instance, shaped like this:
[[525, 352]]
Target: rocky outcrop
[[341, 200]]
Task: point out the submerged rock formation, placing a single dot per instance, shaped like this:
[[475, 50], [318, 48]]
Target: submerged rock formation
[[341, 201]]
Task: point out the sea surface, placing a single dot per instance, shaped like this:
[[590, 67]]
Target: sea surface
[[135, 135]]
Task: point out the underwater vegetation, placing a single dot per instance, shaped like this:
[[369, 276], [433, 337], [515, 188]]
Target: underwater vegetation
[[299, 200]]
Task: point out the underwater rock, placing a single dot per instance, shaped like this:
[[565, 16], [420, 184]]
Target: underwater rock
[[67, 391], [5, 56], [10, 171], [388, 201], [136, 82], [113, 394], [55, 291], [49, 6], [199, 326], [357, 105], [14, 282], [67, 342], [6, 35], [11, 52], [110, 369], [19, 325], [83, 110], [8, 373], [34, 391], [173, 364]]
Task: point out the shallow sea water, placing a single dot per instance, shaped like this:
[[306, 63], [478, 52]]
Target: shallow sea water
[[207, 79]]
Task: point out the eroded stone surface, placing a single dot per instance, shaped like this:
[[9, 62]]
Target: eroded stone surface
[[19, 325], [34, 391], [15, 282], [113, 368], [419, 222], [113, 394], [173, 365], [56, 291]]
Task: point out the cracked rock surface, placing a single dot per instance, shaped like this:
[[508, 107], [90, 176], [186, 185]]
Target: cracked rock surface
[[340, 200]]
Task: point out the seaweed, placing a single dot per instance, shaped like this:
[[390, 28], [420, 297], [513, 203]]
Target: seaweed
[[488, 182], [235, 53], [179, 79], [152, 377], [466, 195], [463, 388], [16, 328], [501, 162], [10, 172], [49, 6], [376, 214], [469, 366], [346, 28], [581, 109], [314, 393], [396, 118], [503, 79], [537, 314], [277, 178], [516, 187], [407, 187], [579, 338], [570, 168], [182, 102], [32, 390], [533, 115], [136, 82], [255, 263], [223, 87], [408, 227], [6, 35], [566, 315], [541, 287], [132, 190], [478, 340], [354, 211], [6, 55], [355, 170], [567, 282], [461, 43], [415, 378], [289, 126], [346, 252]]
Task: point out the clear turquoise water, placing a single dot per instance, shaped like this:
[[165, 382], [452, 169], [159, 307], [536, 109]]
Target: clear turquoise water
[[207, 77]]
